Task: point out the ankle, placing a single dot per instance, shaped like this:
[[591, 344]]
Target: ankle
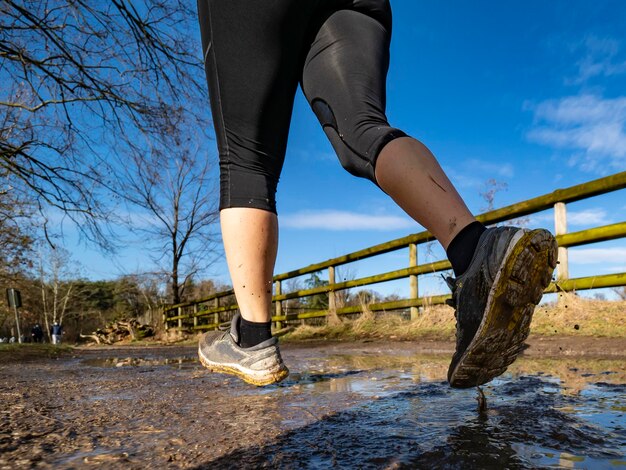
[[462, 247], [253, 333]]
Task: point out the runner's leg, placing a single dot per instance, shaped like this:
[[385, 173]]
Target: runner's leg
[[344, 79], [410, 174], [250, 242], [501, 273], [252, 51]]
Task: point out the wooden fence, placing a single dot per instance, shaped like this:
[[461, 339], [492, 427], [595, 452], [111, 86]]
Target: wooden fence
[[208, 312]]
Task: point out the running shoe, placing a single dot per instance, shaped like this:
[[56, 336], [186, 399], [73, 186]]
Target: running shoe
[[258, 365], [495, 300]]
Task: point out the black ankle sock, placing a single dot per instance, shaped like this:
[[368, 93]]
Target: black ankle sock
[[462, 247], [252, 333]]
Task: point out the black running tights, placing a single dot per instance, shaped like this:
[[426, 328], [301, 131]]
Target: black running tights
[[258, 51]]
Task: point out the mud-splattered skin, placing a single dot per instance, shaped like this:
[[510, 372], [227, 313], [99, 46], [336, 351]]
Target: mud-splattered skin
[[374, 405]]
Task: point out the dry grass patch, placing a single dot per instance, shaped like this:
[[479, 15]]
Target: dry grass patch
[[436, 322], [574, 316], [578, 316]]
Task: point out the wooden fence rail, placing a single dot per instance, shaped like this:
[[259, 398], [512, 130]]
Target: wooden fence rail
[[206, 313]]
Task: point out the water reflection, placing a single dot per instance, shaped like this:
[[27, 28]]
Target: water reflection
[[543, 412], [130, 361], [529, 423], [381, 410]]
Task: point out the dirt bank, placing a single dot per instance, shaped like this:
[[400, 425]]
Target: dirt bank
[[537, 346]]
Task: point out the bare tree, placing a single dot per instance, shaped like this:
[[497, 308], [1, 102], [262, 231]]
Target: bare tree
[[55, 279], [342, 274], [82, 82], [621, 292], [149, 289], [16, 244], [16, 235], [492, 187], [172, 189], [293, 284]]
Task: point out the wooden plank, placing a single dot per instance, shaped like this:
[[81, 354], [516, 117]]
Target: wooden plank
[[593, 235], [331, 284], [413, 293], [278, 305], [560, 228], [590, 282]]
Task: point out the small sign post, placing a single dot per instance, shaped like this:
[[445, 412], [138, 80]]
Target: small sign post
[[14, 299]]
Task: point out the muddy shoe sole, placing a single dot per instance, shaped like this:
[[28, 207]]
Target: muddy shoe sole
[[258, 378], [518, 286]]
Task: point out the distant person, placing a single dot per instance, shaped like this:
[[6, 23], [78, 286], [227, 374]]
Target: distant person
[[256, 53], [37, 333], [57, 331]]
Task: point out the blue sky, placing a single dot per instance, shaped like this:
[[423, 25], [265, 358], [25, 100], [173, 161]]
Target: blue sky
[[531, 94]]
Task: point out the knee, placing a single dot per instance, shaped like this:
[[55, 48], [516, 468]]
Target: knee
[[357, 144]]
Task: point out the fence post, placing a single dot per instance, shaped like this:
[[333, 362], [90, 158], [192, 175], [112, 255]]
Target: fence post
[[195, 318], [216, 315], [279, 306], [167, 326], [413, 279], [332, 299], [332, 305], [560, 228], [180, 320]]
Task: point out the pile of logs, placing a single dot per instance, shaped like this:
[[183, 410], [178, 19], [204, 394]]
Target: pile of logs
[[120, 330]]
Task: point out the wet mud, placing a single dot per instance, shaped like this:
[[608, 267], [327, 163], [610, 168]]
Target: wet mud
[[343, 406]]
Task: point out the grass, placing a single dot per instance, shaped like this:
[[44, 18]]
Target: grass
[[577, 316], [25, 351], [573, 315]]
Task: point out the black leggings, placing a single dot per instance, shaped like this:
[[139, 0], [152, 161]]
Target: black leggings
[[257, 51]]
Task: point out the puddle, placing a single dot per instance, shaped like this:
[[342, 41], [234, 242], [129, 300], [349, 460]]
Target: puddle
[[542, 413], [362, 408], [528, 423], [184, 362], [95, 458]]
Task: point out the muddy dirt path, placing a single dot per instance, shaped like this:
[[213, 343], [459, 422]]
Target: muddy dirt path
[[364, 405]]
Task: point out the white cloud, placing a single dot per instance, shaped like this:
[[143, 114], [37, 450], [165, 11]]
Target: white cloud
[[463, 180], [600, 60], [598, 255], [504, 170], [617, 269], [465, 177], [586, 217], [587, 123], [344, 220]]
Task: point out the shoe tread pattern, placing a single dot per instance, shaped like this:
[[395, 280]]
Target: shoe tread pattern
[[500, 338]]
